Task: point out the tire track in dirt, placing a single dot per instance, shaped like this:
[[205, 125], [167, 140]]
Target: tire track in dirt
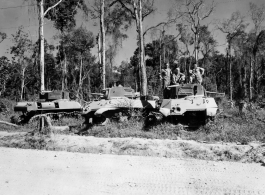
[[49, 172]]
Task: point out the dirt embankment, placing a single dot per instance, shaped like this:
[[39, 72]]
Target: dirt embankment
[[254, 152]]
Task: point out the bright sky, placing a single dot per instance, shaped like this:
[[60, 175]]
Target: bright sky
[[12, 16]]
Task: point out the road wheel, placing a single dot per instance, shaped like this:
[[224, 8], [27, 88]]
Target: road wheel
[[150, 120], [100, 120]]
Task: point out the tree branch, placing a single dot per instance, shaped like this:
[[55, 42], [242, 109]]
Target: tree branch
[[208, 14], [113, 3], [261, 76], [148, 13], [128, 9], [52, 7], [149, 10], [161, 23], [172, 39]]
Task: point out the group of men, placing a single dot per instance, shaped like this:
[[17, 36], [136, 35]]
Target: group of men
[[176, 77]]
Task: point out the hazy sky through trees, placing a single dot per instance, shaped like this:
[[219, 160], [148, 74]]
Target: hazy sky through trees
[[12, 18]]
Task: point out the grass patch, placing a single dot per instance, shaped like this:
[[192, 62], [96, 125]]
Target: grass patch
[[239, 128]]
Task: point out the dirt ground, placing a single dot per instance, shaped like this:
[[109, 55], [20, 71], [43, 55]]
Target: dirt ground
[[56, 172], [90, 165]]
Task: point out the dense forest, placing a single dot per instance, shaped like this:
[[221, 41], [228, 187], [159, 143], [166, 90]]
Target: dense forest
[[240, 72]]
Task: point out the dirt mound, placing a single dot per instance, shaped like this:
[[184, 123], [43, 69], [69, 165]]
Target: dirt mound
[[136, 146]]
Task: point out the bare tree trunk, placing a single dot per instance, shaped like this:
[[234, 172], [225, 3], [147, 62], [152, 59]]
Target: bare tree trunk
[[111, 75], [256, 74], [196, 48], [251, 78], [80, 77], [89, 83], [102, 30], [99, 56], [136, 83], [160, 56], [186, 69], [41, 38], [244, 77], [245, 81], [160, 66], [99, 48], [164, 47], [143, 68], [239, 63], [230, 73], [22, 83], [64, 80], [143, 78], [227, 73], [41, 43]]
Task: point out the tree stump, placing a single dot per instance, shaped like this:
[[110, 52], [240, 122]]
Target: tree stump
[[45, 121]]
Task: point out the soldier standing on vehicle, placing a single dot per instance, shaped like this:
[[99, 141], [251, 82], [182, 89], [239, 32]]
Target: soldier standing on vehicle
[[166, 76], [177, 77], [197, 73]]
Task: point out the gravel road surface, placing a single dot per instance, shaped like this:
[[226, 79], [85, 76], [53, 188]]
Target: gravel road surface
[[27, 172]]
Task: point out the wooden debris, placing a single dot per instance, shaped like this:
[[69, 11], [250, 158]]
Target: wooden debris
[[7, 123]]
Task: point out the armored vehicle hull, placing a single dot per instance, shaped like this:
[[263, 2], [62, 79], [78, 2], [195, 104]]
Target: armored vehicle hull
[[188, 104], [49, 102], [116, 103]]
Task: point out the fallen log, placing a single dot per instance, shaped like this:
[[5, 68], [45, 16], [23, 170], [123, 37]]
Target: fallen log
[[7, 123]]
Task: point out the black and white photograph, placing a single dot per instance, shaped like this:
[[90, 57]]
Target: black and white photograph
[[132, 97]]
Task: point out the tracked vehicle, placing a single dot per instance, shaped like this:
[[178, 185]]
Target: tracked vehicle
[[188, 104], [48, 102], [116, 103]]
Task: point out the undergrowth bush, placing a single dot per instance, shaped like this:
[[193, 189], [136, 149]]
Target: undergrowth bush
[[238, 127]]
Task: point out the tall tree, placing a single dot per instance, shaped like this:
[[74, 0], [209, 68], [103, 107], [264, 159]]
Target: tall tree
[[79, 43], [241, 56], [163, 38], [139, 9], [42, 14], [113, 21], [63, 16], [4, 73], [82, 41], [2, 67], [232, 27], [103, 42], [256, 38], [207, 42], [22, 51], [187, 39], [194, 12]]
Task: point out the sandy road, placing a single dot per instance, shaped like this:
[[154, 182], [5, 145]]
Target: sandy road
[[27, 172]]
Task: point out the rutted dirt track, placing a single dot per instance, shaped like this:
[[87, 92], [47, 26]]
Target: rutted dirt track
[[49, 172]]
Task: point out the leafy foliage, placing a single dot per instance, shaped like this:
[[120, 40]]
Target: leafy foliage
[[76, 45], [2, 36], [63, 15]]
